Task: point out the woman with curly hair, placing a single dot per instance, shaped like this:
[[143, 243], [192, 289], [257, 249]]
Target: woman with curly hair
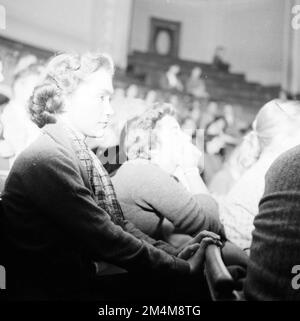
[[61, 211], [159, 186]]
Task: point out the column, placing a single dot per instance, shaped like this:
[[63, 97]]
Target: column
[[291, 49], [111, 27]]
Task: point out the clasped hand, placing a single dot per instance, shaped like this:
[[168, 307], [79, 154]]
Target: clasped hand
[[194, 250]]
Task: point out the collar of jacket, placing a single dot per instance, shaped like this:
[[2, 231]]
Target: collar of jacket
[[58, 133]]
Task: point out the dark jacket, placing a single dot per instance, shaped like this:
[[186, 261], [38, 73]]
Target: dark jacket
[[55, 228], [275, 249]]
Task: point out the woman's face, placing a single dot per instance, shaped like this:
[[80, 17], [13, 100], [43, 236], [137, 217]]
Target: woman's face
[[89, 107]]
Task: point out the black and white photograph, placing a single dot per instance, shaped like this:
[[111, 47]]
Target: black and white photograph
[[149, 154]]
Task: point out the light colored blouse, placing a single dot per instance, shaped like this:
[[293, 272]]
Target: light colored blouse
[[240, 206]]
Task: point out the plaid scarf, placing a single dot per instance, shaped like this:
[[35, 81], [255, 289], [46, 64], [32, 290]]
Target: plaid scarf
[[99, 179]]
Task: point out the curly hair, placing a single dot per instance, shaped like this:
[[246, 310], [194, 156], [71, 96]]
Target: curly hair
[[63, 75], [139, 135]]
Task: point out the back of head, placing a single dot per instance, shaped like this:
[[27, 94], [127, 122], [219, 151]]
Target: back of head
[[138, 137], [63, 75], [174, 69], [196, 72], [277, 118], [275, 128]]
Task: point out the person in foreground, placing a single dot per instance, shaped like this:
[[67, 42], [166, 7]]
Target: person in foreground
[[276, 129], [60, 210], [273, 270]]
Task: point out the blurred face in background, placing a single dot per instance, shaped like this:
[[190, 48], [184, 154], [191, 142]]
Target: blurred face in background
[[174, 145], [212, 108], [175, 69], [132, 91], [196, 72], [189, 125], [89, 108], [151, 96], [217, 127]]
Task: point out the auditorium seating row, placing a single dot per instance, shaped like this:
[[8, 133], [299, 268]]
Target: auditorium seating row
[[232, 87]]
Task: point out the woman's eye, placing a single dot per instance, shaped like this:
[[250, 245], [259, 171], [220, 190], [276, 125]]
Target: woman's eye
[[104, 98]]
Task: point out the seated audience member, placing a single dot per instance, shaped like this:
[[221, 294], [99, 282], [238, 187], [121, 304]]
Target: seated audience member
[[273, 271], [195, 85], [196, 111], [210, 113], [190, 123], [132, 91], [283, 94], [276, 128], [157, 150], [61, 213], [215, 143], [219, 61], [189, 126], [170, 80], [119, 94], [215, 137], [230, 172], [151, 97], [234, 124], [176, 103], [18, 130]]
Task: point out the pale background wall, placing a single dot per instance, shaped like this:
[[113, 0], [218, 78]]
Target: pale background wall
[[251, 30], [72, 25]]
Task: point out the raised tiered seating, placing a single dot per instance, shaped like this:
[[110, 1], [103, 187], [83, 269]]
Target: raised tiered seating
[[226, 87]]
